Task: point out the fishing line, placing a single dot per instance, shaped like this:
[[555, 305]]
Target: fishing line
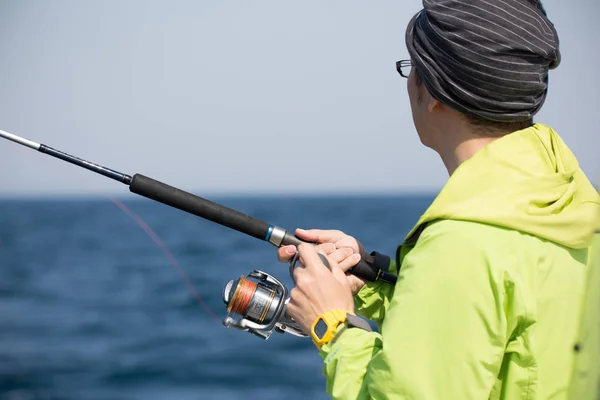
[[256, 303], [168, 253], [157, 240], [260, 299]]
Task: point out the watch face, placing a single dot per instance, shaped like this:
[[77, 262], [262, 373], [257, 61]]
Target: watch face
[[320, 328]]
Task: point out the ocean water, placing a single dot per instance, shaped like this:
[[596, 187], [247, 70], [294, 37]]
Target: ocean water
[[92, 308]]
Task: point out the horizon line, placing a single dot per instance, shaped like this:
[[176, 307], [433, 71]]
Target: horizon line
[[309, 193]]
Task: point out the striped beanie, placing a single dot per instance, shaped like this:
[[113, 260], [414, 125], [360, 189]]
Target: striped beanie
[[485, 57]]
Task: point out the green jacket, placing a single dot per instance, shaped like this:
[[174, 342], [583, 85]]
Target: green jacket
[[487, 299], [585, 379]]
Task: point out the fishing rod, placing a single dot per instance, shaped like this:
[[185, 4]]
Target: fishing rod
[[260, 300]]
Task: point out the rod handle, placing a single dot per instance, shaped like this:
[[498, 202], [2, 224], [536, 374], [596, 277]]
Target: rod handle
[[177, 198], [198, 206]]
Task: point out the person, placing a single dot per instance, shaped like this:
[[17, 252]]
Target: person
[[490, 278]]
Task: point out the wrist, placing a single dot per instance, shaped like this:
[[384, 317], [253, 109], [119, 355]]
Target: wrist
[[329, 325], [324, 327]]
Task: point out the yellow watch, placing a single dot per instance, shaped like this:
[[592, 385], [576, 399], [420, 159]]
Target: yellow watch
[[324, 327]]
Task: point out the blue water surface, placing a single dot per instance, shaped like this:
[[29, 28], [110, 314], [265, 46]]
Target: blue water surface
[[92, 308]]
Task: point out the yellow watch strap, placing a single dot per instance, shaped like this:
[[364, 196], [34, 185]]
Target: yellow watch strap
[[324, 326]]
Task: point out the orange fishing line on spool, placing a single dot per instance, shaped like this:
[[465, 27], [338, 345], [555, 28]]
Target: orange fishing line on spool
[[242, 296]]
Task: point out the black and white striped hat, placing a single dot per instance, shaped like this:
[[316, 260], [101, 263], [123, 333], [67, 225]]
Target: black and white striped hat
[[485, 57]]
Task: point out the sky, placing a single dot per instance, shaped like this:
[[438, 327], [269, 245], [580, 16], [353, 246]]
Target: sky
[[240, 97]]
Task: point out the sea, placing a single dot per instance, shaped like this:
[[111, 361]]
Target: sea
[[122, 298]]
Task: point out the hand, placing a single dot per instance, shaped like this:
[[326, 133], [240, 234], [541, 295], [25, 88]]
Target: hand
[[317, 288], [346, 251]]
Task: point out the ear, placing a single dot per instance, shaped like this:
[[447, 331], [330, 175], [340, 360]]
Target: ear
[[434, 104]]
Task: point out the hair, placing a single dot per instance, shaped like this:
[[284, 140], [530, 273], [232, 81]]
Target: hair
[[484, 126]]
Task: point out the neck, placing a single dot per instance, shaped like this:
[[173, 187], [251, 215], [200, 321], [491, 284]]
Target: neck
[[459, 143]]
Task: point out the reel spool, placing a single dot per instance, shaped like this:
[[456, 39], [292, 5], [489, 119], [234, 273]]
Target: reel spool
[[261, 303]]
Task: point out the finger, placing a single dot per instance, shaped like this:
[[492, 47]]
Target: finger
[[292, 307], [297, 298], [320, 235], [309, 257], [324, 260], [326, 248], [346, 241], [297, 273], [339, 275], [294, 310], [349, 262], [305, 278], [285, 254], [340, 254]]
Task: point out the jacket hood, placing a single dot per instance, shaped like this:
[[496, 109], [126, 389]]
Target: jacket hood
[[528, 180]]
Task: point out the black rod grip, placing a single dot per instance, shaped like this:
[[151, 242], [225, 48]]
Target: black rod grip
[[198, 206], [177, 198]]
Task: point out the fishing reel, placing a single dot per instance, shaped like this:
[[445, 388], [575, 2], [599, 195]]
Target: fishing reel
[[260, 303]]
